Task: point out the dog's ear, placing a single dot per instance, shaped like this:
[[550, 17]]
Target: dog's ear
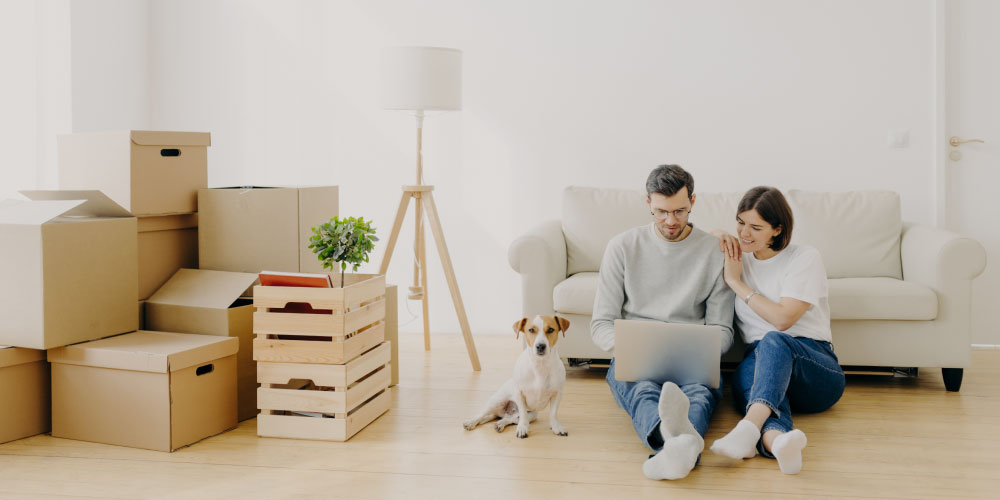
[[563, 324], [518, 326]]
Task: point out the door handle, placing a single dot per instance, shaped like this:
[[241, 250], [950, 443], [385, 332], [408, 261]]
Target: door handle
[[955, 141]]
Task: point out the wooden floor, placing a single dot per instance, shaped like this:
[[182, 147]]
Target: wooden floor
[[887, 438]]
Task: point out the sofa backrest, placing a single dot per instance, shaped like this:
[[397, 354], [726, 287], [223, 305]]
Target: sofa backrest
[[856, 232]]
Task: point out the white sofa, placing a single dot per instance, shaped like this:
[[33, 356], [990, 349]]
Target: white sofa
[[900, 293]]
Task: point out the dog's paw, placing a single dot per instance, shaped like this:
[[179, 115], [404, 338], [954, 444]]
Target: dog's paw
[[559, 431], [522, 431], [470, 424]]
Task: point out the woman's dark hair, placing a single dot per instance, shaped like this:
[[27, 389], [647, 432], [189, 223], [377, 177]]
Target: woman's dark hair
[[773, 208], [668, 180]]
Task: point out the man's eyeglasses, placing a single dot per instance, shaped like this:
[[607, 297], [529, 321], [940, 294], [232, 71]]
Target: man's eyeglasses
[[663, 214]]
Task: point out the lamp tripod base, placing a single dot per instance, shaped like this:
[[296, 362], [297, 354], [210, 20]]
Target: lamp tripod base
[[424, 204]]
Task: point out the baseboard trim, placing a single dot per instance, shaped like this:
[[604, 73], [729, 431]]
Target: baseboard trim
[[985, 347]]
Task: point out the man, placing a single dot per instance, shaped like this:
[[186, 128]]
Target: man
[[665, 271]]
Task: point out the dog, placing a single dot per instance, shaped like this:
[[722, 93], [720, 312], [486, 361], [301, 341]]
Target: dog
[[539, 377]]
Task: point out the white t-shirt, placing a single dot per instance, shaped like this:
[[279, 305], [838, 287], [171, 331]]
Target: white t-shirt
[[796, 272]]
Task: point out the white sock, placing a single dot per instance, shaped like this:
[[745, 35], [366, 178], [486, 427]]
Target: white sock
[[673, 410], [676, 459], [787, 448], [740, 443], [681, 442]]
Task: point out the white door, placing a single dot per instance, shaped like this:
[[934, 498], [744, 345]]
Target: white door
[[973, 112]]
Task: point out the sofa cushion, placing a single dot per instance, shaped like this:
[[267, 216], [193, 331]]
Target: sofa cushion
[[857, 232], [850, 298], [591, 217], [881, 298], [576, 294]]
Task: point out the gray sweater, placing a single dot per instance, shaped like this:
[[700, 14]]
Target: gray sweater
[[646, 277]]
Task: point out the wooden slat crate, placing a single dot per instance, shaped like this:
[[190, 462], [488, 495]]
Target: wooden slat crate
[[351, 395], [351, 321]]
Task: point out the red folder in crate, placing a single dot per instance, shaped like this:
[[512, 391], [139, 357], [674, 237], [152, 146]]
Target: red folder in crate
[[310, 280]]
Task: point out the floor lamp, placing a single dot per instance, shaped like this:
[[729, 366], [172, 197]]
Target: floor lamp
[[425, 79]]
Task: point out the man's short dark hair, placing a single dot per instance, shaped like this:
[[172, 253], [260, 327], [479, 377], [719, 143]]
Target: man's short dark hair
[[668, 180], [771, 205]]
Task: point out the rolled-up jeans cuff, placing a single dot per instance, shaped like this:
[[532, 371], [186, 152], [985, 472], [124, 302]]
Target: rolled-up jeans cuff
[[772, 406]]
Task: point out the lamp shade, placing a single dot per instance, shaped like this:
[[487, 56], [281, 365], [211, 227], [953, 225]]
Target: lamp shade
[[421, 78]]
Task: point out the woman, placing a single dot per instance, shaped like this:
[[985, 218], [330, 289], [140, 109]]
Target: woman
[[783, 314]]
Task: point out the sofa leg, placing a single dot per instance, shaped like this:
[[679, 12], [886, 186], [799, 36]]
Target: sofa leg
[[952, 378]]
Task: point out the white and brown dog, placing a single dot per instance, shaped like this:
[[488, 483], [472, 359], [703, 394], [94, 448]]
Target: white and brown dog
[[539, 376]]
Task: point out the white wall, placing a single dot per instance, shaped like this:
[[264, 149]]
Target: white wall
[[68, 67], [788, 93], [110, 66], [54, 99], [18, 28]]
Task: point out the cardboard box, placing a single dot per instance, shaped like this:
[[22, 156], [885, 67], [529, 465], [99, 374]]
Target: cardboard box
[[152, 390], [166, 243], [254, 229], [68, 270], [208, 302], [146, 172], [24, 393]]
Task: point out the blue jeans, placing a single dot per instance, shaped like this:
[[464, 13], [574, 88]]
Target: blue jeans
[[641, 399], [785, 373]]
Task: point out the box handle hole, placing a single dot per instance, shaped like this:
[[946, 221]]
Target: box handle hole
[[204, 369], [170, 152]]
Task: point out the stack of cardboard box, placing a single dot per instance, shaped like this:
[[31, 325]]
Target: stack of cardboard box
[[121, 231], [323, 361], [78, 263]]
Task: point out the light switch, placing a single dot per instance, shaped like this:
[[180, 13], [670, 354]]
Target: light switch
[[899, 138]]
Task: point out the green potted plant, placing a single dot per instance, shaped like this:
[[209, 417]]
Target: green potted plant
[[347, 241]]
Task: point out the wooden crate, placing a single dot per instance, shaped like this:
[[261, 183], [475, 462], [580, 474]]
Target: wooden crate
[[351, 396], [351, 321]]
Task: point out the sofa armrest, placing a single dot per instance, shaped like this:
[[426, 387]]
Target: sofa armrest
[[936, 258], [539, 256]]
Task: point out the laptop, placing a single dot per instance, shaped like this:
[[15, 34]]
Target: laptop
[[667, 352]]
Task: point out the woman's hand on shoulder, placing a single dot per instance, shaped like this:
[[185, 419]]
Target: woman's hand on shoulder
[[732, 272], [728, 244]]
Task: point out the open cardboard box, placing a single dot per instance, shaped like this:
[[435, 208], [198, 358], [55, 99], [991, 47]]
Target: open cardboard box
[[209, 302], [254, 229], [152, 390], [146, 172], [68, 268], [24, 393]]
